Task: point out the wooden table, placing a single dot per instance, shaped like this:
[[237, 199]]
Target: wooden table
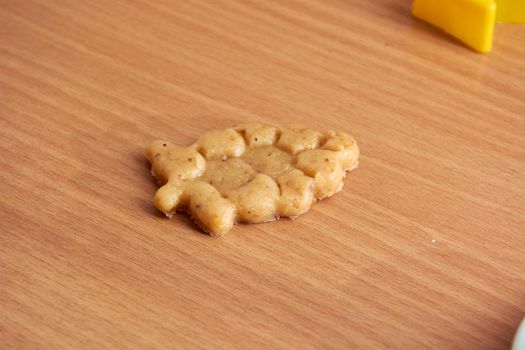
[[424, 248]]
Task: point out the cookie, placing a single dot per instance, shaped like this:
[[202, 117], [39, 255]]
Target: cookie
[[252, 173]]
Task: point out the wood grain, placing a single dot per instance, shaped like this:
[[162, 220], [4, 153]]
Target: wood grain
[[424, 249]]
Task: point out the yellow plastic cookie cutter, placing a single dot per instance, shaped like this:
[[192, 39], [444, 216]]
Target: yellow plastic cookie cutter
[[471, 21]]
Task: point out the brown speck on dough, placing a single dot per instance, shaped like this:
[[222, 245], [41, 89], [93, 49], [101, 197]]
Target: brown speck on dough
[[157, 155], [256, 139], [326, 160], [198, 206], [190, 159], [164, 145]]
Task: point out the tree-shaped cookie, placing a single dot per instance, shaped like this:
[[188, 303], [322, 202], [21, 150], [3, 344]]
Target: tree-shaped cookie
[[252, 173]]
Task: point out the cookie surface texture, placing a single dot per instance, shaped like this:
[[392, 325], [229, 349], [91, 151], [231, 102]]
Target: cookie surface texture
[[251, 173]]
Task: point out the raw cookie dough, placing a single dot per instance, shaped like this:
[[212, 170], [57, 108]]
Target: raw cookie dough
[[251, 173]]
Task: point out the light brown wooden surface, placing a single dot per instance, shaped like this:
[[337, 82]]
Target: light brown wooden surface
[[424, 248]]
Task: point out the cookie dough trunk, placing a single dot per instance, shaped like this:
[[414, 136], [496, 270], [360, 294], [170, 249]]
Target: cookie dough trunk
[[215, 214], [168, 198]]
